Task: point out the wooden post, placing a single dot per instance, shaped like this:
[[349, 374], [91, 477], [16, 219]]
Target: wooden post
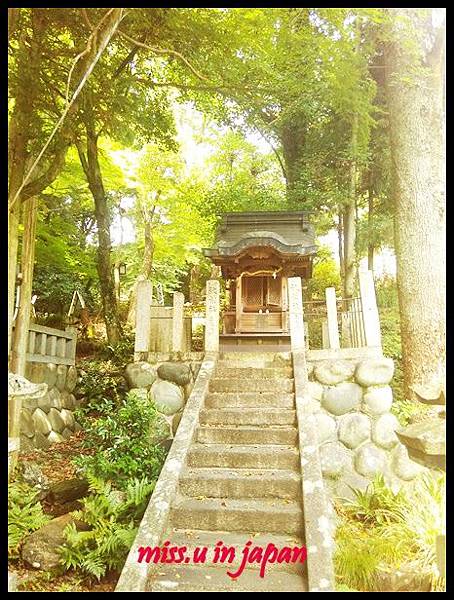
[[295, 304], [371, 318], [238, 303], [331, 311], [178, 322], [13, 241], [212, 316], [143, 319], [116, 272], [284, 297], [20, 340]]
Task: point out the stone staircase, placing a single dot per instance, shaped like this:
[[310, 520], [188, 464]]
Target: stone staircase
[[241, 481]]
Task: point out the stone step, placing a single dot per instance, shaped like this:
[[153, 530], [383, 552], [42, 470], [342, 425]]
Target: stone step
[[278, 384], [198, 538], [248, 416], [249, 399], [231, 514], [246, 456], [247, 435], [253, 372], [218, 482], [204, 578], [255, 359]]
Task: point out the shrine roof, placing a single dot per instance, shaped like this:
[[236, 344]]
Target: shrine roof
[[289, 233]]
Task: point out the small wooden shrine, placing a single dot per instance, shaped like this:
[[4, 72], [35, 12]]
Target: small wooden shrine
[[257, 252]]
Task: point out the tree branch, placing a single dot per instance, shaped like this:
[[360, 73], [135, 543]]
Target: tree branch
[[164, 51], [40, 183]]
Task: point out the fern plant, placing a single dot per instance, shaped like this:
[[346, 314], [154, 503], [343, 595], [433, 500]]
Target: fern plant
[[25, 515], [112, 516]]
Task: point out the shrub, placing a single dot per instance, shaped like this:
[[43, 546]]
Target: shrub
[[113, 517], [122, 441], [121, 353], [25, 515], [101, 384]]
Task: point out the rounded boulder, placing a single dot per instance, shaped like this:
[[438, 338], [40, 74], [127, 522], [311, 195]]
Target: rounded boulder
[[334, 459], [178, 373], [384, 431], [140, 375], [370, 460], [402, 465], [354, 429], [332, 372], [342, 398], [378, 400], [326, 427], [160, 430], [167, 397], [378, 371]]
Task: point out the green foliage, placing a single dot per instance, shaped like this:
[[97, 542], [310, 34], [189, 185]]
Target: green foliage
[[121, 438], [100, 383], [376, 504], [382, 529], [112, 517], [121, 353], [325, 274], [25, 515], [388, 308]]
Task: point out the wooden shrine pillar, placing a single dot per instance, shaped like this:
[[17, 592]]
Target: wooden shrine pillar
[[238, 303]]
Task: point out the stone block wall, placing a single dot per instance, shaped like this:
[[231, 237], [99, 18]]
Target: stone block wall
[[352, 401], [49, 418], [167, 384]]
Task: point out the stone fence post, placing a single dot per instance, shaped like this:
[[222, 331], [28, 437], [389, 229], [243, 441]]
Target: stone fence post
[[178, 322], [143, 319], [212, 316], [331, 312], [371, 319], [295, 305]]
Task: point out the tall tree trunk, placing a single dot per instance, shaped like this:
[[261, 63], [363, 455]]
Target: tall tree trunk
[[90, 165], [147, 261], [349, 219], [19, 348], [292, 139], [19, 128], [370, 219], [340, 240], [415, 92]]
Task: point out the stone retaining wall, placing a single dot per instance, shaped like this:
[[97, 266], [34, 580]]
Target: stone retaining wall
[[167, 383], [352, 402], [48, 418]]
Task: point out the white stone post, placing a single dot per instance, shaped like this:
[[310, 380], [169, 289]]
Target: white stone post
[[371, 318], [212, 316], [331, 312], [143, 318], [178, 322], [325, 335], [295, 306]]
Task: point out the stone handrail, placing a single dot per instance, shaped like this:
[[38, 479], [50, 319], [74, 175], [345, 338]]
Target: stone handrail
[[134, 575], [318, 519]]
